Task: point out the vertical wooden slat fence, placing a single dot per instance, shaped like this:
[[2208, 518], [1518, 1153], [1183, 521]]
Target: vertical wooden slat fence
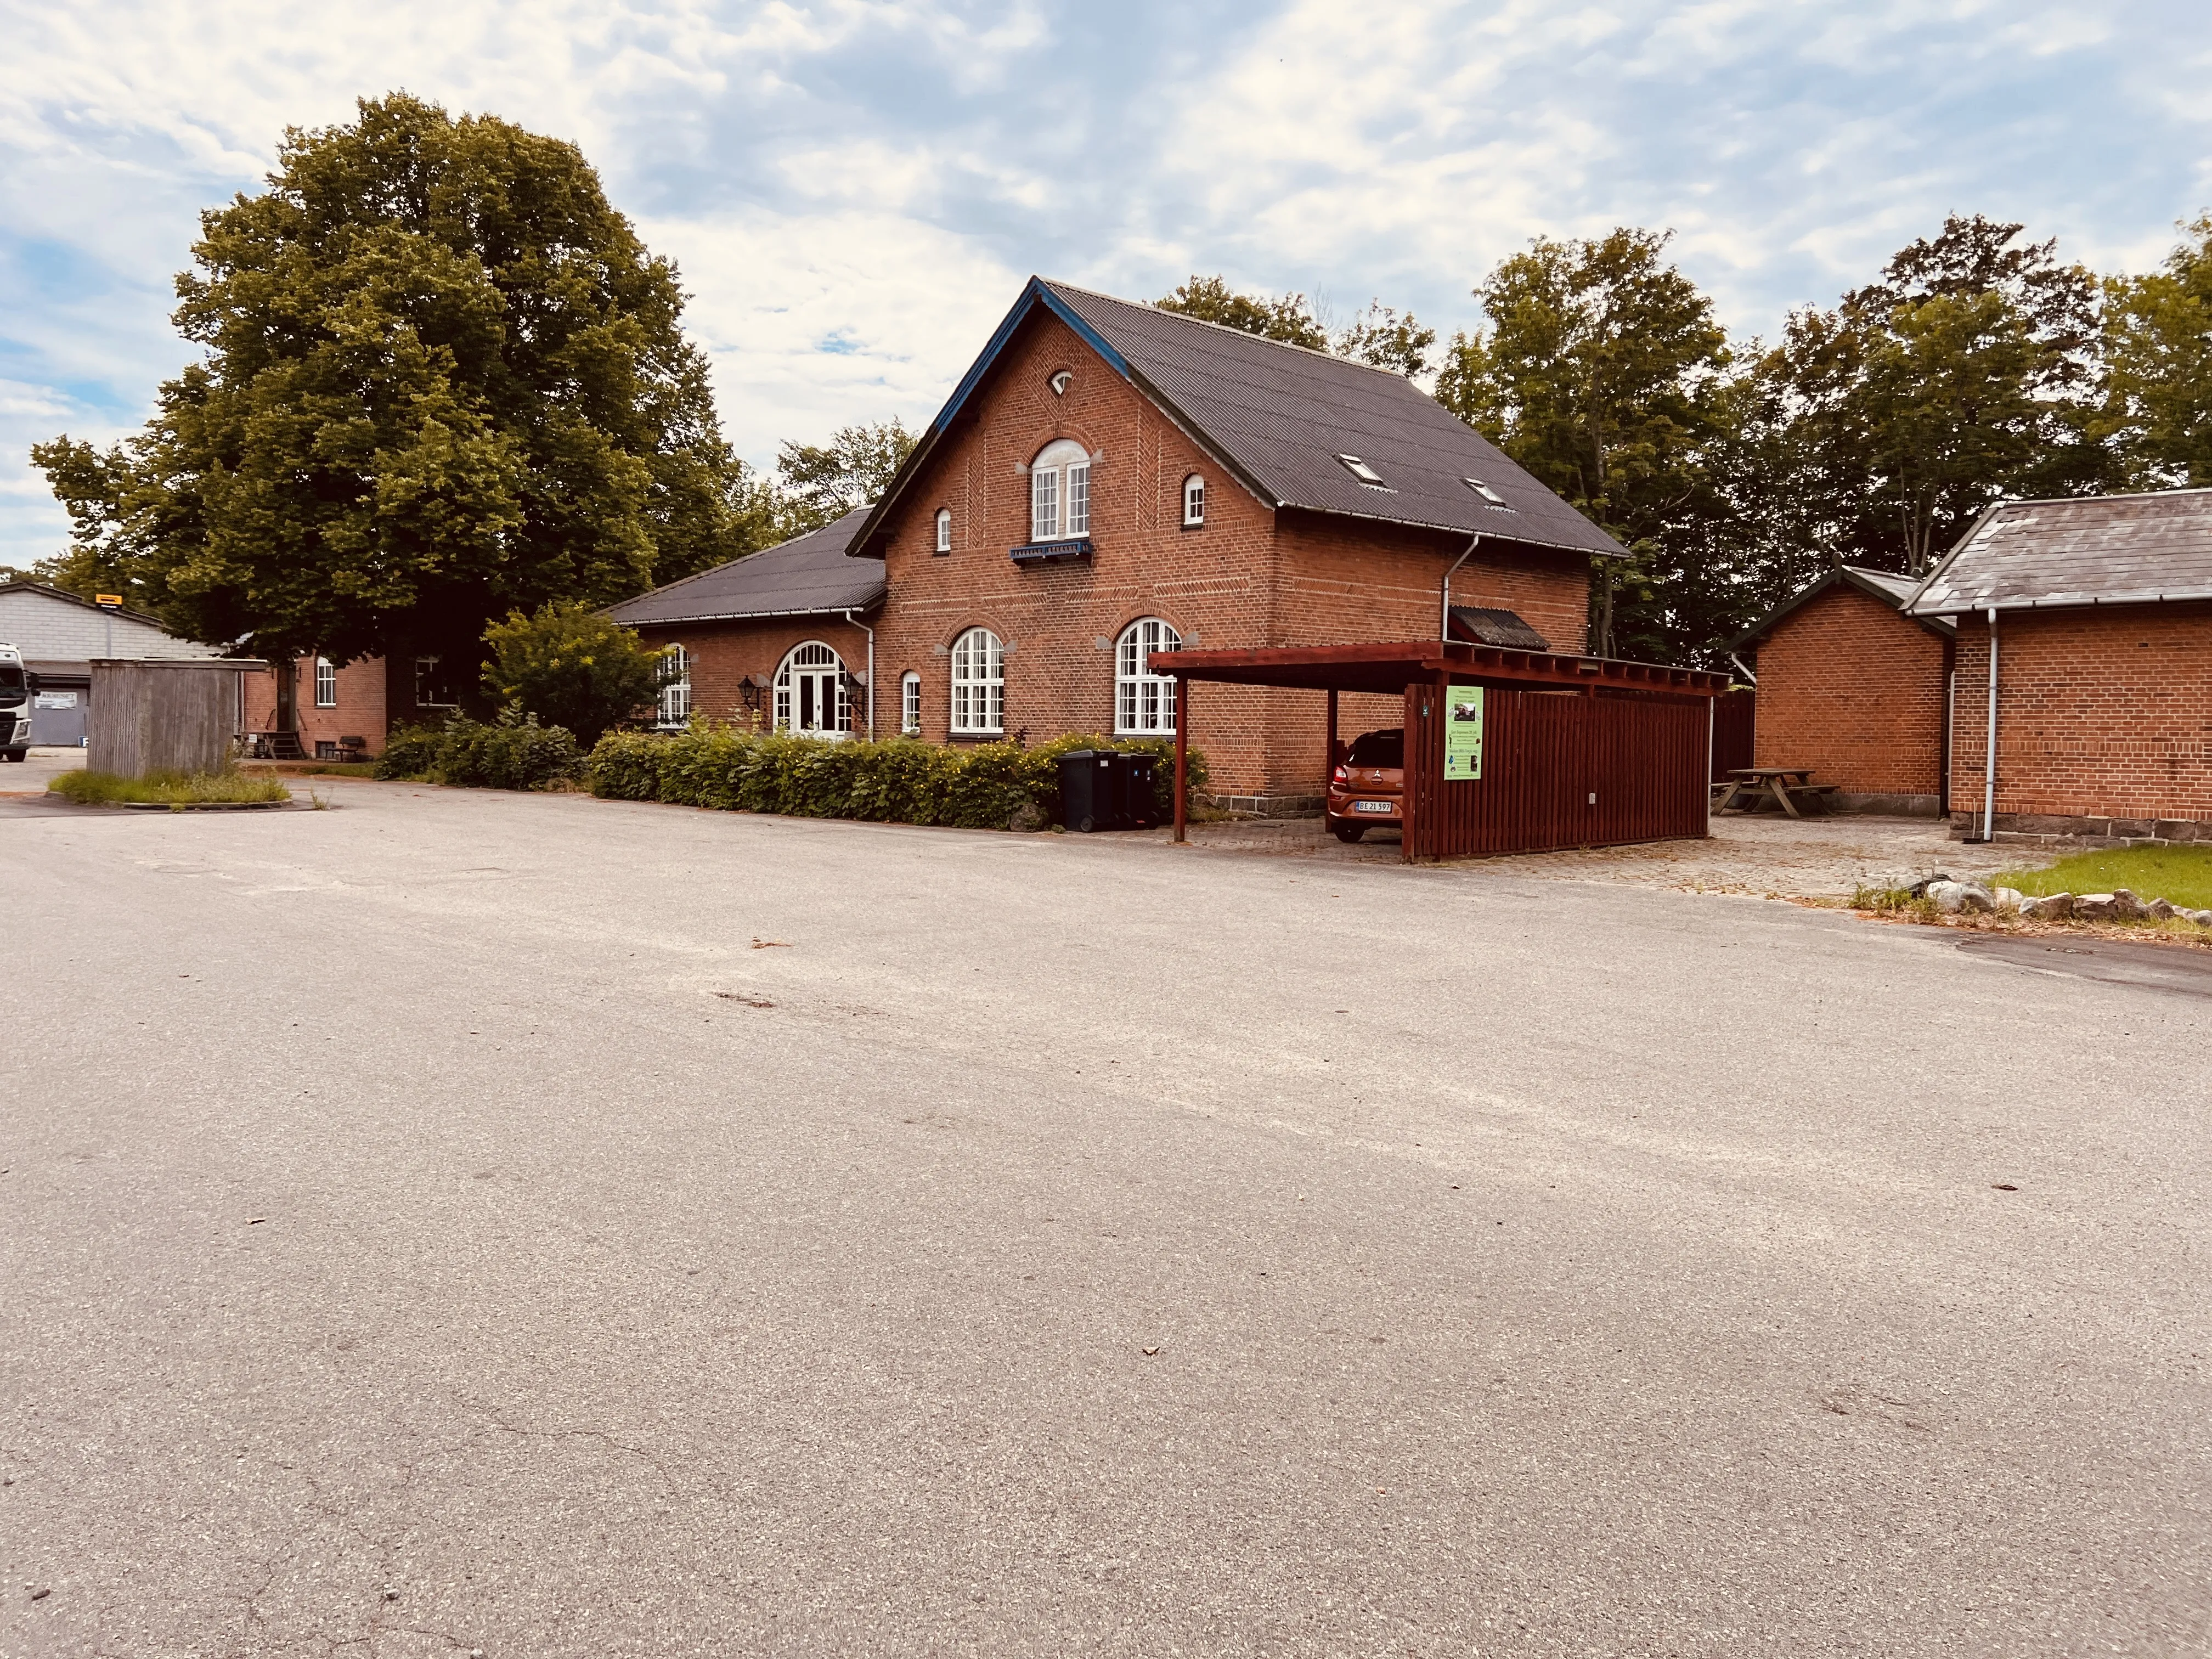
[[1559, 769]]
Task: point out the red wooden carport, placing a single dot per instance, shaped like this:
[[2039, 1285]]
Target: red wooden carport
[[1575, 752]]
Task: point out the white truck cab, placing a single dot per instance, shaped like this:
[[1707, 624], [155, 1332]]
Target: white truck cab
[[15, 687]]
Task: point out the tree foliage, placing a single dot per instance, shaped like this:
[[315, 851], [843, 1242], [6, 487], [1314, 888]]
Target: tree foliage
[[2158, 360], [568, 666], [1380, 335], [818, 482], [442, 378]]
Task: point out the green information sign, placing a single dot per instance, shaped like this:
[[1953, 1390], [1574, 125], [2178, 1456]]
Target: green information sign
[[1462, 733]]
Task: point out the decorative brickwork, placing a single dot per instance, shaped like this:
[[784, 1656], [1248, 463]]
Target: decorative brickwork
[[2103, 723], [1852, 688]]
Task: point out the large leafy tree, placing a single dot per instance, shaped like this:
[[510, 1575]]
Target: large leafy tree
[[1380, 335], [2158, 359], [1602, 372], [1967, 375], [441, 378], [818, 482]]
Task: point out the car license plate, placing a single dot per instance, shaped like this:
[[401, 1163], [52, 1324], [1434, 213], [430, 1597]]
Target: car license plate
[[1374, 807]]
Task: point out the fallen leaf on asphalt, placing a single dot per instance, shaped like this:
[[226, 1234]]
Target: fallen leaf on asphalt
[[257, 1220], [1152, 1351], [770, 943], [40, 1595], [2005, 1187], [739, 996]]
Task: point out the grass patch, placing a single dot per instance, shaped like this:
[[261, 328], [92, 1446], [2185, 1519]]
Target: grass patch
[[166, 789], [2180, 875]]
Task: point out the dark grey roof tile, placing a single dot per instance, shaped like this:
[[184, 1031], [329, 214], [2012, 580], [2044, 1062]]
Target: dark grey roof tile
[[808, 575], [2094, 549]]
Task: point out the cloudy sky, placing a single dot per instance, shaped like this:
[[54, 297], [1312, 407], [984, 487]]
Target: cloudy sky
[[854, 192]]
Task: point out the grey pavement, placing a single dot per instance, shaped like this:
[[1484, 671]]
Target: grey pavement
[[458, 1221], [30, 773]]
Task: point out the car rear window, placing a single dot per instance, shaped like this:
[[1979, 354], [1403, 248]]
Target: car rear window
[[1378, 749]]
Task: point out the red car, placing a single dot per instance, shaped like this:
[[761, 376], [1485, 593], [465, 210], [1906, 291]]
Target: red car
[[1368, 785]]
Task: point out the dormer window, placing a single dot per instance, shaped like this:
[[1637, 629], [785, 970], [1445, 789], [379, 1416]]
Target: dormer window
[[1194, 501], [944, 530], [1060, 492], [1485, 492], [1359, 470]]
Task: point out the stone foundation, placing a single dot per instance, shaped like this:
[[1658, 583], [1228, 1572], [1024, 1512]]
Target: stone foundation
[[2063, 834], [1269, 806], [1901, 806]]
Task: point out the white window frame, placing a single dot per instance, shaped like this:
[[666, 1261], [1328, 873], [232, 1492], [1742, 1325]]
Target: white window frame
[[808, 657], [431, 668], [910, 704], [1060, 492], [326, 683], [1144, 702], [979, 685], [944, 530], [1194, 501], [675, 675]]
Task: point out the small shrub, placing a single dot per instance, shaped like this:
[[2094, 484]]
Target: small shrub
[[571, 667], [509, 754], [410, 752]]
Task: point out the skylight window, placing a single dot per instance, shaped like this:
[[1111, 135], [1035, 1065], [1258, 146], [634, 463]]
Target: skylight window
[[1485, 491], [1359, 470]]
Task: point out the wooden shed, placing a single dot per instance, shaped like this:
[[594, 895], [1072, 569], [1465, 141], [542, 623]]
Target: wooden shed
[[1573, 751], [151, 716]]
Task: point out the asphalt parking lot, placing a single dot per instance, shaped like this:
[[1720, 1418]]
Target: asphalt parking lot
[[457, 1221]]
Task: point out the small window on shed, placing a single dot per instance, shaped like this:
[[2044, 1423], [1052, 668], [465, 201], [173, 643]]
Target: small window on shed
[[944, 530], [1194, 501], [1359, 470]]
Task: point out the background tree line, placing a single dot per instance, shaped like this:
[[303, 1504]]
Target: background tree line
[[441, 382], [1976, 368]]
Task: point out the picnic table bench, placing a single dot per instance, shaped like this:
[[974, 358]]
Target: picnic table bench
[[1787, 785]]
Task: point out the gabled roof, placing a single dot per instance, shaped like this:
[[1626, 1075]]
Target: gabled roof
[[1279, 416], [78, 599], [2089, 549], [807, 576], [1893, 590]]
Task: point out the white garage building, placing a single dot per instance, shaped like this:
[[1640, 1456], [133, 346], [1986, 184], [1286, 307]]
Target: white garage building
[[59, 633]]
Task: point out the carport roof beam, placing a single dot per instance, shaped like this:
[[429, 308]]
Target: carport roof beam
[[1393, 667]]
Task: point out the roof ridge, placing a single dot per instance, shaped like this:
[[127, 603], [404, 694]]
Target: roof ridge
[[1241, 333], [2115, 495]]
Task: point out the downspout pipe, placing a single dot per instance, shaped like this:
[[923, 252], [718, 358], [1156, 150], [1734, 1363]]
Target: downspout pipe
[[1750, 678], [871, 633], [1989, 751], [1444, 622]]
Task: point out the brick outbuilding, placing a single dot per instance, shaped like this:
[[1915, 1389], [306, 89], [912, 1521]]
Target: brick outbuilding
[[1109, 482], [2092, 621], [1854, 687]]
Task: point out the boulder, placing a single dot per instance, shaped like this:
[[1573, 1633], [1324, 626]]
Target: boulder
[[2094, 907], [1029, 817], [2126, 907], [2201, 918], [1953, 896], [2008, 898], [2058, 907], [2160, 910], [1919, 889]]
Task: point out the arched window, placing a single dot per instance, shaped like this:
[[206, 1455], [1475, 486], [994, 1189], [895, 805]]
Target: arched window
[[1143, 702], [326, 683], [910, 704], [979, 684], [1060, 492], [1194, 501], [813, 695], [675, 671], [944, 530]]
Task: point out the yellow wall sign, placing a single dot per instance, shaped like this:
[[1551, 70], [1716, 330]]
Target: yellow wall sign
[[1462, 733], [113, 601]]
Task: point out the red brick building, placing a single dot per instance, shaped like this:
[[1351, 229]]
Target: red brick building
[[1852, 686], [1109, 482], [333, 710], [2098, 614]]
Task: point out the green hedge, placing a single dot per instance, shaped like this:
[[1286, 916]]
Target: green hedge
[[513, 754], [993, 786]]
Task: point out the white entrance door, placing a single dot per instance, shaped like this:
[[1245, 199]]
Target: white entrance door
[[810, 693]]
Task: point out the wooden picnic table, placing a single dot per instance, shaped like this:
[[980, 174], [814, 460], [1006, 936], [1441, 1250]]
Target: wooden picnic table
[[1779, 781]]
